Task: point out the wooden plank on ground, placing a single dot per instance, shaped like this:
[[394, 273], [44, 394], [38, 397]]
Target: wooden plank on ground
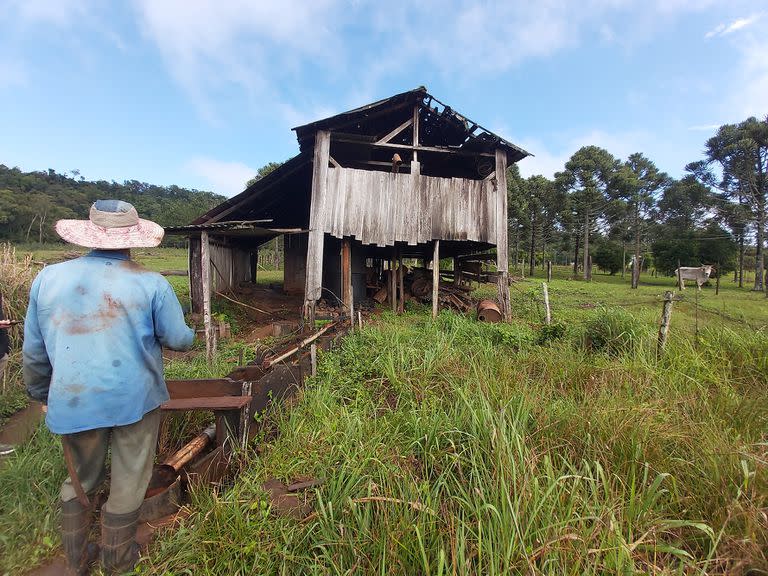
[[207, 403], [201, 388]]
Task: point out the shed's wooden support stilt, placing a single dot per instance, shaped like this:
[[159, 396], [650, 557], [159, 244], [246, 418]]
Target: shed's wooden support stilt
[[435, 278], [314, 270], [346, 277], [393, 279], [401, 289], [502, 247], [195, 275], [205, 267]]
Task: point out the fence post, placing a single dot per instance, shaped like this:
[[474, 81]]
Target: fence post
[[666, 316], [549, 270], [717, 284], [547, 313], [679, 276]]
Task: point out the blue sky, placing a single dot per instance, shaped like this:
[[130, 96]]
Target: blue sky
[[200, 93]]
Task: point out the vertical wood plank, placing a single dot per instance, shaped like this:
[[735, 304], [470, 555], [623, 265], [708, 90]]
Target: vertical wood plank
[[435, 278], [401, 301], [314, 269], [195, 276], [346, 276], [415, 131], [502, 248], [393, 279], [205, 262]]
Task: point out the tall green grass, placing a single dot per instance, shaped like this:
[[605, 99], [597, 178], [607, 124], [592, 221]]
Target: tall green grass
[[454, 447]]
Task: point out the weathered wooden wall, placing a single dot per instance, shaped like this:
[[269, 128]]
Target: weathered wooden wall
[[295, 273], [381, 207], [230, 265]]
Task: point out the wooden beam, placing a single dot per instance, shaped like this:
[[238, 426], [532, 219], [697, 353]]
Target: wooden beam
[[393, 280], [346, 274], [415, 132], [207, 403], [315, 241], [205, 264], [435, 278], [195, 276], [456, 151], [333, 162], [502, 248], [401, 301], [199, 388], [395, 132]]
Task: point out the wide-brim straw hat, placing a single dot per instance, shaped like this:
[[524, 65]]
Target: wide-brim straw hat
[[112, 225]]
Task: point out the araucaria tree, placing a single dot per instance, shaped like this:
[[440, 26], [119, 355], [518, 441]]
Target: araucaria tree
[[638, 182], [586, 179], [736, 164]]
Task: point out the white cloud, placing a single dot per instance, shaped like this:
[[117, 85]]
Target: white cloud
[[61, 13], [551, 158], [227, 178], [750, 97], [725, 29], [208, 44], [266, 48]]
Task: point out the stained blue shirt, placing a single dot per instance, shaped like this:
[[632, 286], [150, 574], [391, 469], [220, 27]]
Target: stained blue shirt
[[93, 340]]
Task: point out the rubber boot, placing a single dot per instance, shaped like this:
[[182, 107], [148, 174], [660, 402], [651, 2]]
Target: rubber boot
[[119, 551], [76, 522]]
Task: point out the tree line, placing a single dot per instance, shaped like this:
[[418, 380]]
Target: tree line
[[32, 202], [613, 213]]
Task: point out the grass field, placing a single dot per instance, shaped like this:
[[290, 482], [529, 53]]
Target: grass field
[[454, 447]]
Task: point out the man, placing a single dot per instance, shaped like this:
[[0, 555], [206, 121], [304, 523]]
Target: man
[[92, 353]]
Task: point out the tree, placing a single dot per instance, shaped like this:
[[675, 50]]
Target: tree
[[608, 256], [637, 183], [587, 179], [736, 164], [540, 214], [263, 171]]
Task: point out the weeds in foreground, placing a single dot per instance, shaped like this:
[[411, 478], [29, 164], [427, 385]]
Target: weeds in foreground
[[455, 447]]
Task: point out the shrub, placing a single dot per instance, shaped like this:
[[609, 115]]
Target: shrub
[[613, 331], [551, 332]]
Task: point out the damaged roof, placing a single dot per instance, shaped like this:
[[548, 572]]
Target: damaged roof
[[440, 125]]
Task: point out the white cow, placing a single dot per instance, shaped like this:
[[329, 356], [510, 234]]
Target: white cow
[[699, 274]]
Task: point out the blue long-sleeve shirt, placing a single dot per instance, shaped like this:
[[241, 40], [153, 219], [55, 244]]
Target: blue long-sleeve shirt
[[92, 341]]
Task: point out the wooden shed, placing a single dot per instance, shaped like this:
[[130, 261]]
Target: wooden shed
[[404, 177]]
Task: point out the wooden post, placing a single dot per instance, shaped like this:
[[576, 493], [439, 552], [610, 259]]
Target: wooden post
[[195, 276], [502, 245], [346, 277], [245, 424], [313, 358], [415, 131], [547, 312], [549, 270], [401, 302], [666, 316], [314, 269], [435, 278], [393, 282], [717, 283], [680, 285], [205, 267]]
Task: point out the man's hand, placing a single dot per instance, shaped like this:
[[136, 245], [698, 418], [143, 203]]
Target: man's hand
[[5, 323], [45, 408]]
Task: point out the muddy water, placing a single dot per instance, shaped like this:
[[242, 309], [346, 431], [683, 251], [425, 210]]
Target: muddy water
[[21, 425]]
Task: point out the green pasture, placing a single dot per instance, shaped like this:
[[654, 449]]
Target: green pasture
[[453, 447]]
